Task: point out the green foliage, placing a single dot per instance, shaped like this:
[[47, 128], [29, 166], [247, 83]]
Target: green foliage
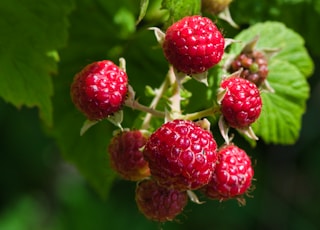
[[44, 43], [33, 220], [88, 152], [303, 16], [30, 36], [143, 10], [178, 9], [35, 37], [280, 121], [282, 111]]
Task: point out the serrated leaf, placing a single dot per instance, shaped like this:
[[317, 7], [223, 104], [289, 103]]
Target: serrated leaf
[[277, 35], [280, 119], [179, 9], [30, 34]]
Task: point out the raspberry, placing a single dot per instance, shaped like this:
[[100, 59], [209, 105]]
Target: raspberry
[[254, 64], [181, 155], [232, 176], [99, 90], [158, 203], [241, 105], [193, 44], [126, 156]]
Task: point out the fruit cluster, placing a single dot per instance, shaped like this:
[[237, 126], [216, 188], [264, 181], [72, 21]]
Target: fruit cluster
[[173, 162]]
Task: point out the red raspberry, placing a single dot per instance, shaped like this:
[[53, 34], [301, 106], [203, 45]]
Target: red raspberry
[[193, 44], [241, 105], [99, 90], [181, 155], [158, 203], [254, 64], [232, 176], [126, 156]]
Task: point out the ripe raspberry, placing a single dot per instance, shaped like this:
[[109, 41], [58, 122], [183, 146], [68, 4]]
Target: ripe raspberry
[[241, 105], [193, 44], [181, 155], [214, 6], [99, 90], [126, 156], [254, 64], [232, 176], [158, 203]]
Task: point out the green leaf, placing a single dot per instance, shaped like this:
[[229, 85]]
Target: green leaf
[[88, 152], [102, 39], [280, 119], [30, 35], [317, 6], [179, 9], [143, 10], [302, 16], [276, 35], [126, 22]]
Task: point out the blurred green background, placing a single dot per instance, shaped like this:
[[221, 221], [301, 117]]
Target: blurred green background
[[40, 190]]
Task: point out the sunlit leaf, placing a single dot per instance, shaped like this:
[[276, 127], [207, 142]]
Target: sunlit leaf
[[290, 44], [280, 120]]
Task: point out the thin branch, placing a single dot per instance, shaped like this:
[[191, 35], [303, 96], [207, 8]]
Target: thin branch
[[155, 101], [137, 106], [212, 111]]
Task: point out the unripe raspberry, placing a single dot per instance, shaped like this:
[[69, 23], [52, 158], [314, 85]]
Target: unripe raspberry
[[181, 155], [158, 203], [126, 156], [254, 65], [99, 90], [232, 176], [193, 44], [241, 105], [214, 6]]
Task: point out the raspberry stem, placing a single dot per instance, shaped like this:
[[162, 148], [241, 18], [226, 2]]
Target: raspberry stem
[[154, 102], [137, 106], [212, 111], [175, 99]]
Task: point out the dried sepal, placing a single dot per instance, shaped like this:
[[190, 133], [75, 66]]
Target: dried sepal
[[179, 77], [204, 123], [122, 64], [87, 125], [226, 16], [221, 92], [230, 41], [159, 34], [116, 119], [201, 77], [224, 129], [266, 87], [248, 131], [193, 197], [251, 45]]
